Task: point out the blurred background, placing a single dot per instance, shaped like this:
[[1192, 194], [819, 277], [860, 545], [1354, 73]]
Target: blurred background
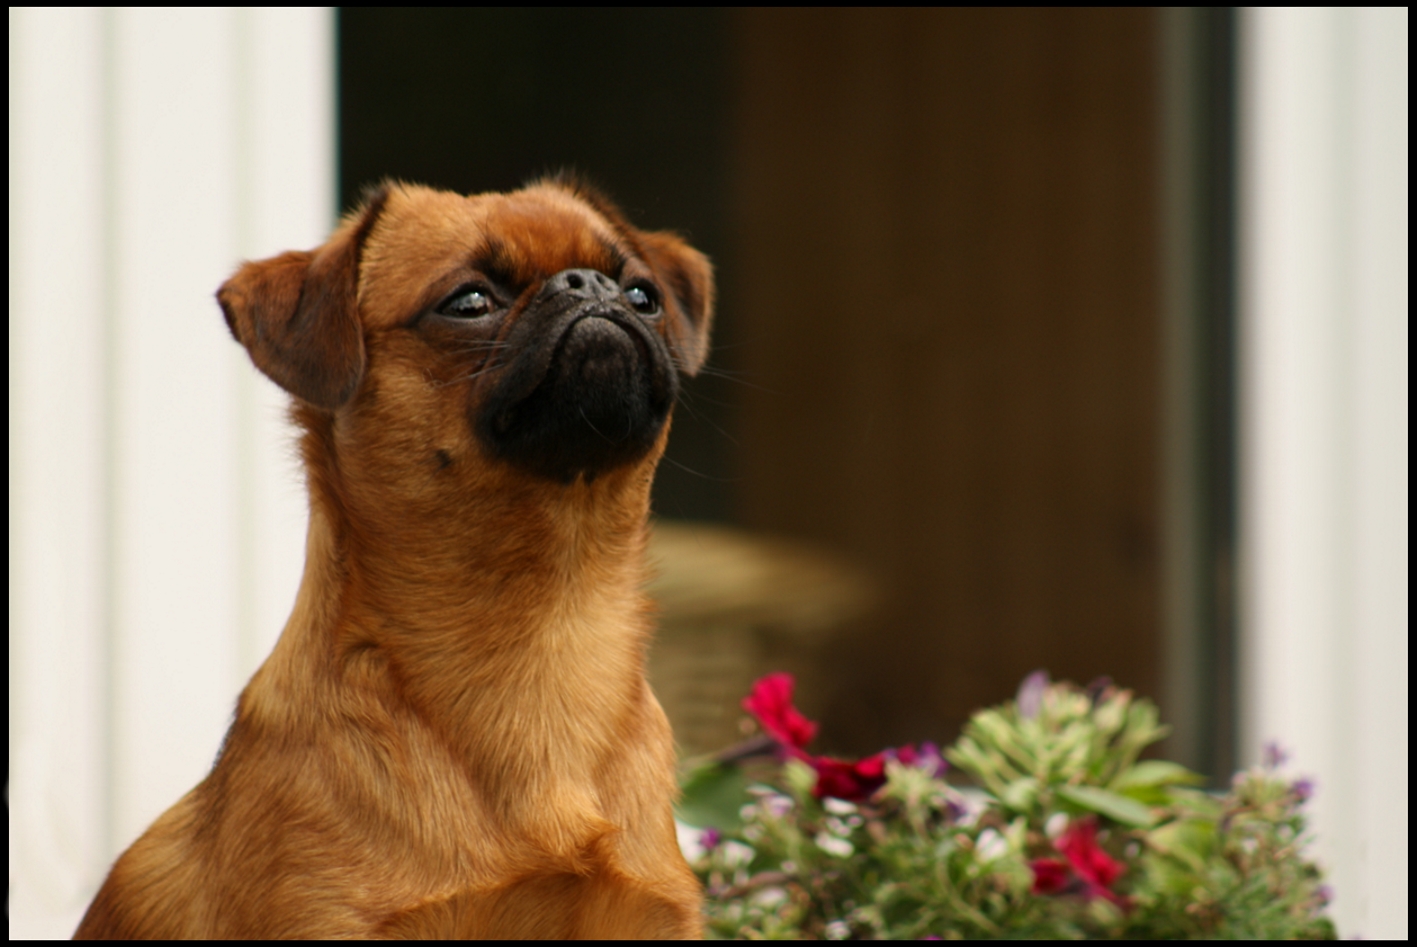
[[939, 346], [1072, 339]]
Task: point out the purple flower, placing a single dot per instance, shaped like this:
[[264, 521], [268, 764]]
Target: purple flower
[[710, 838], [926, 757], [956, 811], [1303, 789], [1273, 755], [1030, 694], [931, 756]]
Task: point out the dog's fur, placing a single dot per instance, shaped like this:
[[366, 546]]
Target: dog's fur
[[453, 736]]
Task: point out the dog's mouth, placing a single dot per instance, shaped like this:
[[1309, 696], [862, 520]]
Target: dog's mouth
[[598, 352], [587, 391]]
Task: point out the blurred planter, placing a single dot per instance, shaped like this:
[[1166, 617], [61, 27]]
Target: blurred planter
[[729, 600]]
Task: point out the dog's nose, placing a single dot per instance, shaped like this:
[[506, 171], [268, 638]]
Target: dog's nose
[[583, 284]]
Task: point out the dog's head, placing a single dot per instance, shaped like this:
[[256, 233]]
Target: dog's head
[[540, 320]]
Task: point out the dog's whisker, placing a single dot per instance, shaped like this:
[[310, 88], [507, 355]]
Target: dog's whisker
[[699, 397], [469, 376], [735, 377], [593, 427], [705, 419], [697, 473]]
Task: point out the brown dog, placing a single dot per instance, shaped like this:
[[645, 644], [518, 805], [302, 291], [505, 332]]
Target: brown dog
[[453, 736]]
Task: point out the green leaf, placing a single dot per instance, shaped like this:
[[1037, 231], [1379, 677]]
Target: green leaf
[[991, 727], [800, 779], [1020, 794], [712, 796], [1115, 807], [1111, 715], [1189, 840], [1149, 795], [1155, 773], [990, 768], [1197, 803]]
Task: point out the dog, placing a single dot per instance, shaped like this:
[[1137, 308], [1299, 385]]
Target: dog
[[453, 736]]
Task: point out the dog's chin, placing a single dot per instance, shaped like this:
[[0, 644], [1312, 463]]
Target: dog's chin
[[602, 403]]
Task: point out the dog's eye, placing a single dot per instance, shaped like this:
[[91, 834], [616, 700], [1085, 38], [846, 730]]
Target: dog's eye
[[644, 299], [467, 304]]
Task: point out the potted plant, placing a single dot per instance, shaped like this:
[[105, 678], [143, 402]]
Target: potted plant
[[1041, 821]]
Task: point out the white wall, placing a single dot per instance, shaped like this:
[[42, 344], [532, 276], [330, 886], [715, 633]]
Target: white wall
[[1324, 432], [157, 517]]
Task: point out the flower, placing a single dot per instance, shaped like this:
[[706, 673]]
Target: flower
[[927, 757], [770, 897], [776, 804], [843, 779], [856, 781], [882, 849], [771, 703], [736, 854], [962, 810], [991, 846], [1030, 694], [1094, 869], [1050, 875], [1079, 847], [710, 838], [1099, 689], [832, 845], [1273, 755]]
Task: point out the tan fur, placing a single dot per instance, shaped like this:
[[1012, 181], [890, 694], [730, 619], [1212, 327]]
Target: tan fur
[[453, 736]]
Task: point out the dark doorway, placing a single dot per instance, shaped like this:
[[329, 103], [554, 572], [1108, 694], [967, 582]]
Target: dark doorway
[[939, 237], [637, 101], [951, 271]]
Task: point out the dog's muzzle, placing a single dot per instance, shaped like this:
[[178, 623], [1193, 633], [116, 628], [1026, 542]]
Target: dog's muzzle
[[589, 387]]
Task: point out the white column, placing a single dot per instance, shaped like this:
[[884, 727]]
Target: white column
[[157, 513], [57, 361], [1324, 432]]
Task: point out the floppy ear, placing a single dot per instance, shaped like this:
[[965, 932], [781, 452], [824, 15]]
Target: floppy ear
[[688, 276], [298, 314]]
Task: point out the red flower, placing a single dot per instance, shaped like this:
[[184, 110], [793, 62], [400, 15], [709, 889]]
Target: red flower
[[850, 781], [771, 703], [1092, 864], [1050, 876], [1094, 869]]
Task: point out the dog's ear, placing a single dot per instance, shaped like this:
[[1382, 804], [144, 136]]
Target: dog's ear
[[298, 313], [688, 276]]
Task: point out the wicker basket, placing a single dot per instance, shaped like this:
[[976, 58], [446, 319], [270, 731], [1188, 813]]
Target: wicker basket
[[727, 597]]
